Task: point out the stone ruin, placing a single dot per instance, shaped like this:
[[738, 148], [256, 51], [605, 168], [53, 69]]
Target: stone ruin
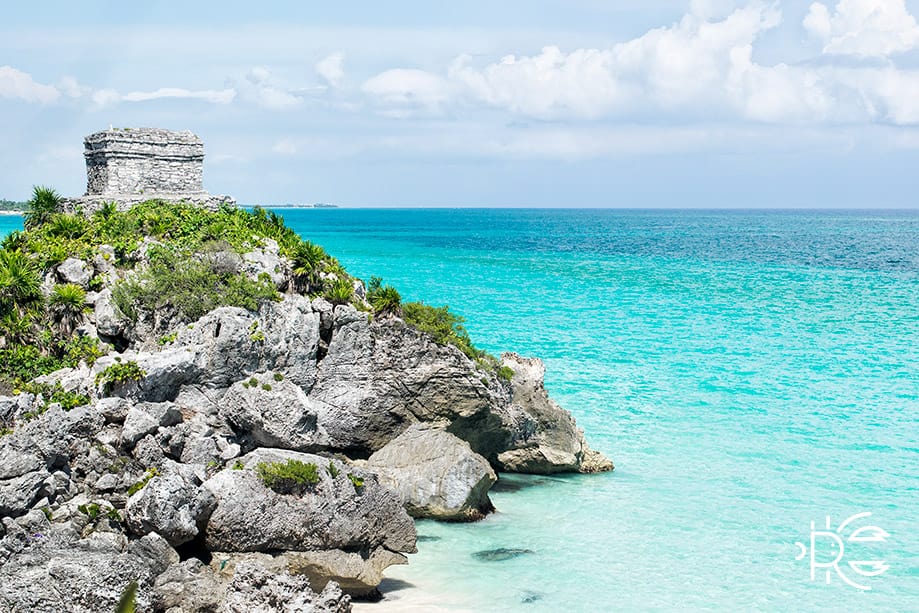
[[130, 165]]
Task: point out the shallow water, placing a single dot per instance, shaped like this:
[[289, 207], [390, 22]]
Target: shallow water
[[748, 372]]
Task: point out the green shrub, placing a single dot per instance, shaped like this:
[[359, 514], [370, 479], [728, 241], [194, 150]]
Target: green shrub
[[340, 292], [357, 482], [266, 387], [238, 465], [4, 430], [168, 339], [151, 472], [506, 373], [278, 377], [119, 372], [288, 477], [66, 304], [333, 470], [52, 394], [383, 298], [91, 510], [43, 204], [443, 326], [191, 287]]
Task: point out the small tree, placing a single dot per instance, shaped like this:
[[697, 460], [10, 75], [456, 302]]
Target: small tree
[[44, 203]]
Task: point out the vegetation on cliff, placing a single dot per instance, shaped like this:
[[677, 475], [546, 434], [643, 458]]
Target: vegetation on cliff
[[174, 262]]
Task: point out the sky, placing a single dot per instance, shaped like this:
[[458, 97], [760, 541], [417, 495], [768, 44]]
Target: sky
[[539, 103]]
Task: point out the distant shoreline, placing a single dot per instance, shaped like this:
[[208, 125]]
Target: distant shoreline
[[12, 213]]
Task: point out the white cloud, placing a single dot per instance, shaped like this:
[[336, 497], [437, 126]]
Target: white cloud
[[331, 69], [20, 85], [696, 69], [108, 97], [221, 96], [406, 91], [285, 147], [866, 28], [260, 88]]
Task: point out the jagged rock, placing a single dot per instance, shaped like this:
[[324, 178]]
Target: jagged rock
[[266, 260], [19, 494], [73, 270], [333, 514], [556, 444], [436, 474], [114, 409], [110, 321], [256, 589], [382, 377], [146, 418], [164, 373], [275, 414], [55, 571], [188, 587], [174, 506]]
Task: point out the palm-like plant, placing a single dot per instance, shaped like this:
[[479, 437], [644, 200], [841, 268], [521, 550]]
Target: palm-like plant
[[67, 304], [341, 291], [384, 298], [20, 284], [307, 259], [16, 328], [43, 204]]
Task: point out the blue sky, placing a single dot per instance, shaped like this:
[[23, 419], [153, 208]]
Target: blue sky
[[633, 103]]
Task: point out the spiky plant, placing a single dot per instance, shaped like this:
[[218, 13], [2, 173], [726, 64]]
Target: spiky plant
[[340, 292], [67, 304], [20, 284], [43, 204], [307, 261], [386, 299]]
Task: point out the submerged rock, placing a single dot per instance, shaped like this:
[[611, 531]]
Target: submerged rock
[[501, 554], [436, 474]]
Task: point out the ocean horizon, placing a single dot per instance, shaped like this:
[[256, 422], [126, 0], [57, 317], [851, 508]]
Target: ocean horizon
[[749, 371]]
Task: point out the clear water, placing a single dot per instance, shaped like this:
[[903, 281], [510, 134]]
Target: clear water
[[748, 373]]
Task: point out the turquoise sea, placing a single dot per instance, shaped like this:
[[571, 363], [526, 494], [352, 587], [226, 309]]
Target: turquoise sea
[[748, 372]]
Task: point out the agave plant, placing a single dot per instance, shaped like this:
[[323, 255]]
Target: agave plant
[[66, 305], [307, 260], [43, 204], [16, 328], [385, 299], [20, 284], [341, 291]]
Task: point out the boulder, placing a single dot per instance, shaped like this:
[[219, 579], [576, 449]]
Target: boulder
[[275, 414], [333, 514], [266, 260], [173, 505], [165, 372], [381, 377], [73, 270], [436, 474], [188, 586], [554, 443], [254, 588], [110, 321], [146, 418], [57, 571]]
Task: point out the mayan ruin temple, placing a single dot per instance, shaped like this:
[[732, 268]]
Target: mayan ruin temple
[[130, 165]]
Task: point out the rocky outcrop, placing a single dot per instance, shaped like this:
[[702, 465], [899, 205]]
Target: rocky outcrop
[[333, 514], [552, 441], [395, 424], [436, 474], [275, 413]]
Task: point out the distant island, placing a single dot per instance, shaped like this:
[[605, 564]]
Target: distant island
[[12, 206], [317, 205]]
